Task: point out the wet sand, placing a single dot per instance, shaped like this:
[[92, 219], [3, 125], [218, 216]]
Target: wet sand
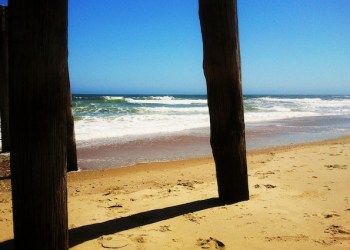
[[299, 199], [195, 143]]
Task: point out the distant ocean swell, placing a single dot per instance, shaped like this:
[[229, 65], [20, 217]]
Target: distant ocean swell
[[128, 116], [121, 116]]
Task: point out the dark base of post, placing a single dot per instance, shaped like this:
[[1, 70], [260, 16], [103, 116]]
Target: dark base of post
[[231, 176]]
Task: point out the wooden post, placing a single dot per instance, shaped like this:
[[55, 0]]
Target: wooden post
[[222, 70], [4, 87], [38, 76]]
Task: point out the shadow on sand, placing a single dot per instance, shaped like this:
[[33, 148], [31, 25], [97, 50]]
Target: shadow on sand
[[88, 232]]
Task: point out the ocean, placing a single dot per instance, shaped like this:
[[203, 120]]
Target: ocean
[[121, 130]]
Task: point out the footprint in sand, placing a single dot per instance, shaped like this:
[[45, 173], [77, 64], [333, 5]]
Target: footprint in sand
[[210, 243], [330, 215], [113, 191], [114, 206], [115, 209], [188, 184], [336, 229], [139, 239], [163, 229], [336, 166], [297, 237], [269, 186], [113, 242], [192, 217], [263, 175]]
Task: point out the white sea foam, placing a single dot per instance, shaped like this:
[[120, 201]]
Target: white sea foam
[[176, 110], [272, 116], [100, 127], [109, 98], [275, 108], [168, 101], [320, 106], [293, 100]]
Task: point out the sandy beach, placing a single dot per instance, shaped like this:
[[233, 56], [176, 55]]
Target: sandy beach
[[299, 199]]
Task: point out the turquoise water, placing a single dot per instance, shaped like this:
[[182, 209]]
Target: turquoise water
[[129, 116]]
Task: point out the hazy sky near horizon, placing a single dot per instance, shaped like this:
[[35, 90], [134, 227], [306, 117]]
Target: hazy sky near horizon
[[155, 46]]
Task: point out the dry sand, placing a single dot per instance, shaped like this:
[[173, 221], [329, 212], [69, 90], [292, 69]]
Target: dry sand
[[299, 199]]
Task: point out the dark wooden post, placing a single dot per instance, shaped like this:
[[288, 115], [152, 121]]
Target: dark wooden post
[[222, 69], [38, 76], [4, 87], [72, 159]]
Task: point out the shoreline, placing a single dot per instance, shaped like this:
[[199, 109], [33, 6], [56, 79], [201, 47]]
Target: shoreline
[[251, 152], [5, 172], [195, 143], [299, 199]]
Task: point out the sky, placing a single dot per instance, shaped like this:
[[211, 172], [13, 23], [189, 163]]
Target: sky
[[155, 47]]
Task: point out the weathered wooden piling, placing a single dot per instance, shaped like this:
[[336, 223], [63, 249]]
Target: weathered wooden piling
[[222, 69], [39, 86], [4, 83]]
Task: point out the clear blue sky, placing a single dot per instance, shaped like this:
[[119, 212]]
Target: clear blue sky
[[155, 46]]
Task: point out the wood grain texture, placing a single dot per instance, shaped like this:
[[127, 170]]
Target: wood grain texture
[[38, 76], [222, 70], [4, 87]]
